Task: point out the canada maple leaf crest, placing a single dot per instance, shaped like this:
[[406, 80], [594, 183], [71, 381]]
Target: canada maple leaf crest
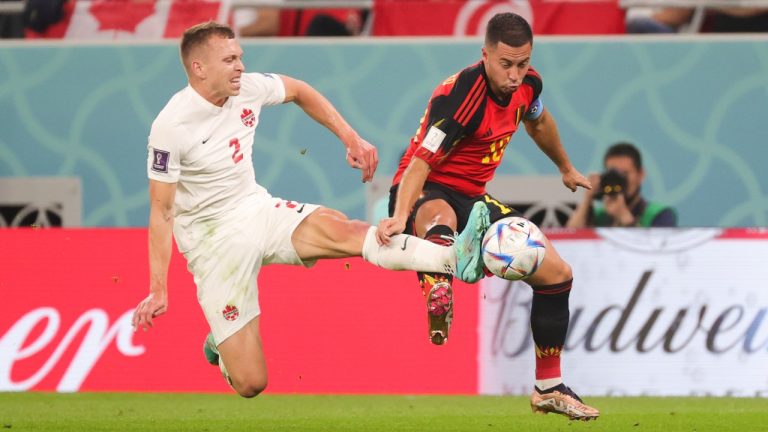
[[230, 312], [247, 117], [123, 15]]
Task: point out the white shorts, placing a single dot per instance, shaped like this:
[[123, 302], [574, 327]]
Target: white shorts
[[227, 254]]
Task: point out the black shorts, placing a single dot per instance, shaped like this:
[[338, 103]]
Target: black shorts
[[460, 203]]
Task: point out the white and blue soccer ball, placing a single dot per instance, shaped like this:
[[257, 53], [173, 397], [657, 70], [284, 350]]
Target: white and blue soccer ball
[[513, 248]]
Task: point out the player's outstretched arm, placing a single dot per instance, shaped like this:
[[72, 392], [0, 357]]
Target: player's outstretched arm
[[360, 153], [543, 131], [161, 197], [408, 192]]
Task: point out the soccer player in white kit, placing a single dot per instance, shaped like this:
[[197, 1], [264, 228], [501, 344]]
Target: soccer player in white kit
[[203, 191]]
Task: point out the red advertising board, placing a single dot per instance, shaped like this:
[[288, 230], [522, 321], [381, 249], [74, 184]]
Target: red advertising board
[[343, 326]]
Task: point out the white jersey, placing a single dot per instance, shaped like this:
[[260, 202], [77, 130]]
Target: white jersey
[[207, 149]]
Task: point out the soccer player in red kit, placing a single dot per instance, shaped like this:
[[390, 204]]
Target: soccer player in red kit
[[460, 142]]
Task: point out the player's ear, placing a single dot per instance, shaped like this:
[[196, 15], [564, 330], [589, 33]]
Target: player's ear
[[196, 68]]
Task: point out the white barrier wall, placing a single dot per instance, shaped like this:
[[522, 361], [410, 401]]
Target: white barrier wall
[[653, 312]]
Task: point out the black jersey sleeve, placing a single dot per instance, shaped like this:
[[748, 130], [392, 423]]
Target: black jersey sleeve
[[454, 112], [533, 79]]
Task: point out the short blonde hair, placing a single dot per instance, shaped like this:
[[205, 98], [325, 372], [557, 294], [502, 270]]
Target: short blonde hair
[[199, 34]]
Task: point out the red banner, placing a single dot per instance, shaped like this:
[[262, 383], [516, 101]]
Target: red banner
[[469, 17], [116, 19], [68, 296], [153, 19]]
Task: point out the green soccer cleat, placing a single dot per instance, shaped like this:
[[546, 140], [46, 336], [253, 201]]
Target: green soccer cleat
[[210, 351], [212, 355], [468, 244]]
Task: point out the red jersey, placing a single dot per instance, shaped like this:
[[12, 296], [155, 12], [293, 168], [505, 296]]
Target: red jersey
[[466, 129]]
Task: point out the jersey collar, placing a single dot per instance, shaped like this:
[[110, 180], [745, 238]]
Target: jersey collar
[[200, 102], [499, 101]]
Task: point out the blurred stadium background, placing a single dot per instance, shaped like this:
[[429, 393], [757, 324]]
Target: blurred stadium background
[[668, 312]]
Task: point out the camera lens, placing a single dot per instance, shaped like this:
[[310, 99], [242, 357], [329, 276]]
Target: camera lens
[[612, 182]]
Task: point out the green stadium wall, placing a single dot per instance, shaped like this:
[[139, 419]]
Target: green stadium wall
[[696, 107]]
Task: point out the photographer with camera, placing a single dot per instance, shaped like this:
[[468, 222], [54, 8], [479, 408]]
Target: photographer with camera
[[618, 190]]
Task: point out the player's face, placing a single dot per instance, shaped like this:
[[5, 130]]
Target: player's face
[[626, 166], [506, 67], [223, 66]]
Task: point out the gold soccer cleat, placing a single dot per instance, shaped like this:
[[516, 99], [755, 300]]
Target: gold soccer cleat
[[562, 400]]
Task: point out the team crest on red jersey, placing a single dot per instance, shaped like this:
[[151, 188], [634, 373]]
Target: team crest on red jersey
[[248, 118], [519, 113], [230, 313]]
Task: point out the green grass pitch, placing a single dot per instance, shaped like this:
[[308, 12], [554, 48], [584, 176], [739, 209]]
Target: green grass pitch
[[222, 412]]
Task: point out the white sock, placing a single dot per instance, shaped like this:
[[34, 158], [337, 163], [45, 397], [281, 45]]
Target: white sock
[[548, 383], [406, 252]]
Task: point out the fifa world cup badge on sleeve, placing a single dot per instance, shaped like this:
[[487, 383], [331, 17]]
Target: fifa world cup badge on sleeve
[[433, 139], [160, 160]]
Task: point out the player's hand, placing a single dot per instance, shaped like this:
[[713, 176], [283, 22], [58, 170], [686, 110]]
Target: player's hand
[[594, 180], [573, 179], [153, 306], [387, 228], [363, 155], [616, 207]]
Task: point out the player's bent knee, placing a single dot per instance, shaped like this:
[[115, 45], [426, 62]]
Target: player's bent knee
[[554, 271], [251, 388], [434, 212], [562, 272], [249, 384], [250, 392]]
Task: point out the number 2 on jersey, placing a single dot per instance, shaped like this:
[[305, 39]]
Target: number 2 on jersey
[[236, 156]]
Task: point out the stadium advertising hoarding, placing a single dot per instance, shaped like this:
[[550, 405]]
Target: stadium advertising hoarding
[[343, 326], [653, 312]]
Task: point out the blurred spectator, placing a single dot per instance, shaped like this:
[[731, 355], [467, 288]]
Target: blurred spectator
[[11, 24], [733, 20], [41, 14], [707, 20], [617, 190], [255, 22], [299, 22], [658, 20]]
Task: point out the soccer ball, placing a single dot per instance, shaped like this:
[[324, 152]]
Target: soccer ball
[[513, 248]]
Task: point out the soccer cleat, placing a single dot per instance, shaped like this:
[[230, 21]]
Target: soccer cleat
[[468, 244], [210, 351], [560, 399], [440, 311], [212, 355]]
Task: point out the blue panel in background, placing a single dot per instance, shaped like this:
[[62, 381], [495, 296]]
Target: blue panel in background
[[697, 109]]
